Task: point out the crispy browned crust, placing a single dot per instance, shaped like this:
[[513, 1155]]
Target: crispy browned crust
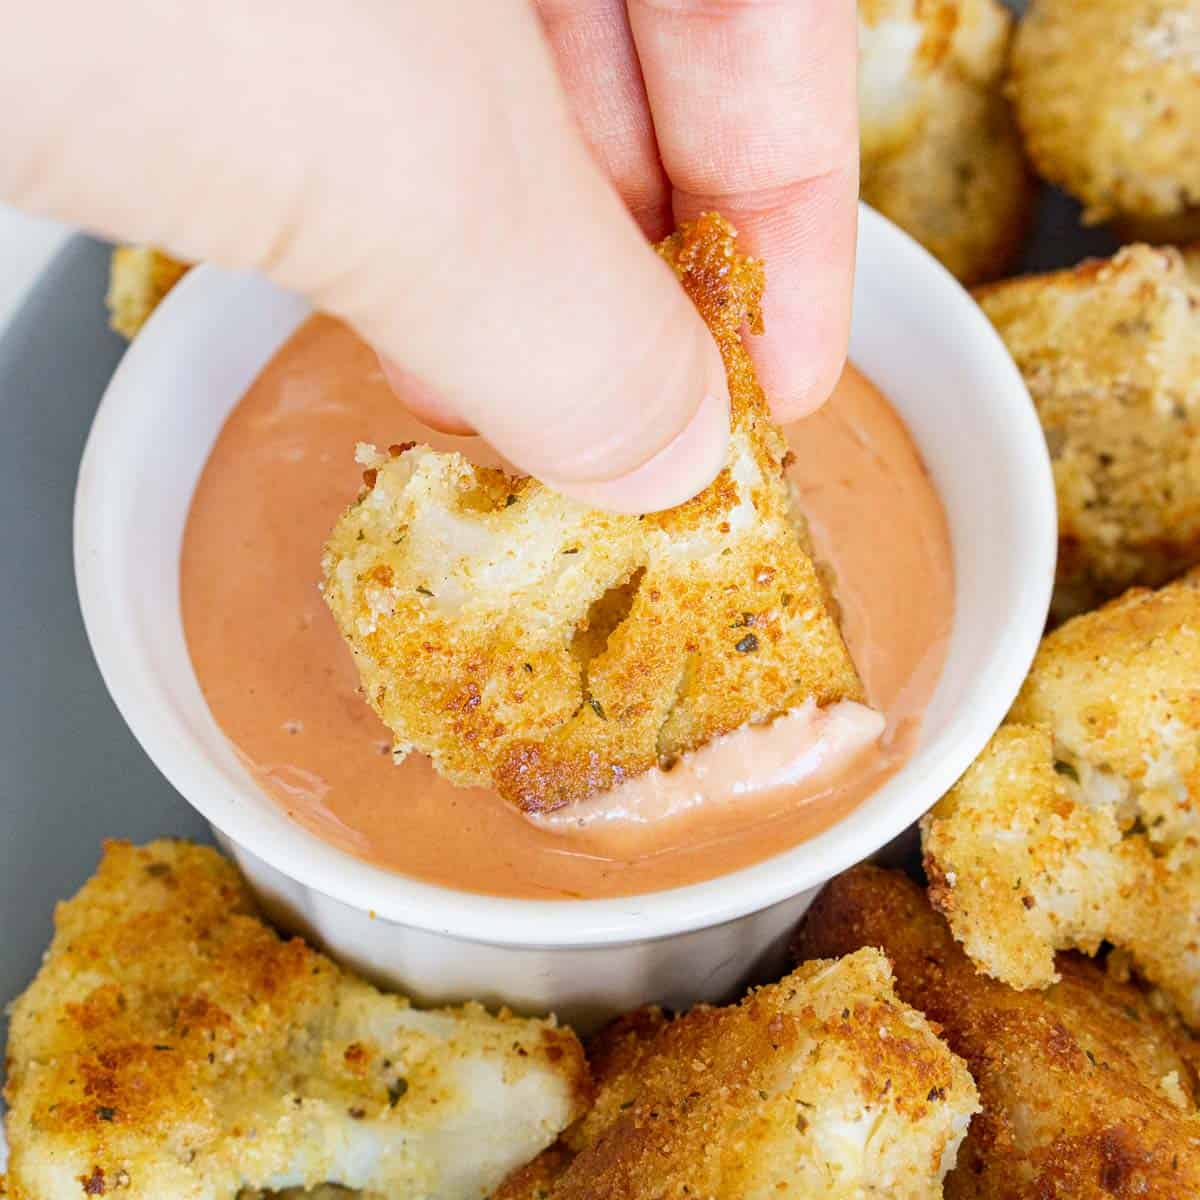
[[941, 155], [1105, 93], [771, 1098], [1110, 351], [1080, 822], [1088, 1091], [139, 279], [529, 643], [172, 1046]]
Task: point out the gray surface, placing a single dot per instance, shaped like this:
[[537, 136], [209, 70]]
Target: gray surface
[[71, 773]]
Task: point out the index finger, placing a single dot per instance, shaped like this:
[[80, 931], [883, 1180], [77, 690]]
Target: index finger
[[755, 110]]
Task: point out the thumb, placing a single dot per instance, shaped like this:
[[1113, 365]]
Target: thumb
[[587, 366], [414, 169], [543, 321]]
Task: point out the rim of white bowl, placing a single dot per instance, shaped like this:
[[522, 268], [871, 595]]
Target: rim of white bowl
[[255, 824]]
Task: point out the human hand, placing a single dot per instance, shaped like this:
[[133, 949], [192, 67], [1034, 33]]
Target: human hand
[[441, 176]]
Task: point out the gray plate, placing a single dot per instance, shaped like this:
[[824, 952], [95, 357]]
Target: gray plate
[[71, 772]]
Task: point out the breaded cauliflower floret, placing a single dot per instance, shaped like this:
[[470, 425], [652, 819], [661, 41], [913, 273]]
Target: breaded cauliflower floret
[[1088, 1090], [172, 1046], [903, 45], [1111, 353], [940, 152], [529, 643], [1107, 93], [1119, 689], [139, 278], [820, 1085], [1078, 825]]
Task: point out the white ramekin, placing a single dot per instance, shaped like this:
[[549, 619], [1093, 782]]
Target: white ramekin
[[916, 333]]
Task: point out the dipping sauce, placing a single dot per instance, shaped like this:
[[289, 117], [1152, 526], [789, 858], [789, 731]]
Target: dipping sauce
[[282, 684]]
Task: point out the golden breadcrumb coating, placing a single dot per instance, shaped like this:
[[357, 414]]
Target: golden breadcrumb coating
[[173, 1046], [1077, 825], [139, 278], [940, 152], [1023, 864], [1111, 353], [820, 1085], [1088, 1091], [1107, 93], [529, 643], [1119, 689]]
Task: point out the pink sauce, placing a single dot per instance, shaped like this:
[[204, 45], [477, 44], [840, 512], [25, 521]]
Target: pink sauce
[[282, 685], [809, 748]]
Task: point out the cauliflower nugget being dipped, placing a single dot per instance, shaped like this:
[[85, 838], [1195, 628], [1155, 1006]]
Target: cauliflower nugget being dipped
[[940, 152], [1107, 94], [534, 645], [1110, 351], [820, 1085], [1079, 824], [1088, 1090], [173, 1047]]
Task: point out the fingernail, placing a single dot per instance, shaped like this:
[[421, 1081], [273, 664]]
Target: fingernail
[[800, 375], [421, 400], [676, 473]]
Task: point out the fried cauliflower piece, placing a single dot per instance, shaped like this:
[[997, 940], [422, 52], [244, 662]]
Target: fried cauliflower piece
[[961, 188], [1119, 690], [173, 1046], [139, 278], [1110, 351], [1107, 94], [940, 152], [1023, 862], [1088, 1091], [820, 1085], [529, 643], [1078, 824]]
